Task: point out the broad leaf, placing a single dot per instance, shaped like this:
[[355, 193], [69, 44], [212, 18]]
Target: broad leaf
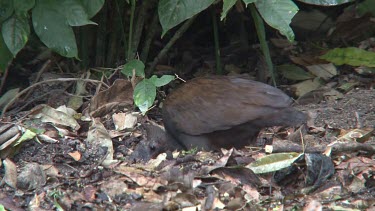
[[173, 12], [21, 7], [227, 5], [273, 162], [248, 2], [6, 9], [165, 79], [367, 6], [92, 6], [135, 65], [351, 56], [75, 13], [16, 32], [5, 55], [293, 72], [144, 95], [52, 28], [278, 14], [326, 2]]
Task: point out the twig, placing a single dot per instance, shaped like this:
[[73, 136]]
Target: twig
[[44, 82], [359, 122], [180, 78]]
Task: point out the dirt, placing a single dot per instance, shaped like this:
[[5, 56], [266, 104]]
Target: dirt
[[84, 184]]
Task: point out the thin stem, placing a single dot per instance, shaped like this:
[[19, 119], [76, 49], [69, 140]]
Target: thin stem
[[172, 41], [132, 2], [45, 82], [219, 70], [259, 25]]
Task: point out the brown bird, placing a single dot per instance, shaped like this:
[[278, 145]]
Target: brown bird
[[216, 112]]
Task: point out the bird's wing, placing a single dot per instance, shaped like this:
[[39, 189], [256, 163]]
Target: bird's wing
[[204, 105]]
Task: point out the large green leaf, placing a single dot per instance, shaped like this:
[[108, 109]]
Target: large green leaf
[[75, 13], [52, 28], [135, 65], [367, 6], [5, 55], [164, 80], [293, 72], [6, 9], [144, 95], [16, 32], [248, 1], [278, 14], [173, 12], [21, 7], [92, 6], [227, 5], [351, 56], [326, 2], [273, 162]]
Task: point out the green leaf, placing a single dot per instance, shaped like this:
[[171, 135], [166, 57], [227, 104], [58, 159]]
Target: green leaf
[[144, 95], [351, 56], [16, 32], [227, 5], [247, 2], [173, 12], [136, 65], [52, 28], [27, 135], [367, 6], [21, 7], [92, 6], [6, 9], [75, 13], [326, 2], [158, 82], [5, 55], [273, 162], [278, 14], [293, 72]]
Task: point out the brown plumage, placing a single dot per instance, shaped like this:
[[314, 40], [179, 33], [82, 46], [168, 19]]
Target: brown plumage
[[225, 111]]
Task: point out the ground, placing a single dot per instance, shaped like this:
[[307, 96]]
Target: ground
[[202, 179]]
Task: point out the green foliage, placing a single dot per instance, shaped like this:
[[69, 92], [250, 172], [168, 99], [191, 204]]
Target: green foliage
[[134, 65], [5, 55], [227, 5], [164, 80], [144, 95], [15, 31], [351, 56], [6, 9], [52, 21], [325, 2], [278, 14], [173, 12], [293, 72], [145, 91], [367, 6]]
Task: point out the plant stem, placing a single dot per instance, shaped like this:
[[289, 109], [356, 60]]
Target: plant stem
[[142, 15], [149, 36], [172, 41], [219, 70], [259, 26], [128, 55]]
